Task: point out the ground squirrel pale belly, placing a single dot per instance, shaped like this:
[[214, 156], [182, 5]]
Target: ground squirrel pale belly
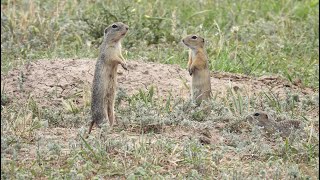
[[198, 67], [105, 74], [262, 119]]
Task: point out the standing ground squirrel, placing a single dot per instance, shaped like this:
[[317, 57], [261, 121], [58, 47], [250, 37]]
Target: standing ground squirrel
[[198, 67], [105, 74], [262, 119]]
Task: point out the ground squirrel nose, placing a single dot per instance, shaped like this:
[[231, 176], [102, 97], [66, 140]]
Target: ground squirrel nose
[[127, 28]]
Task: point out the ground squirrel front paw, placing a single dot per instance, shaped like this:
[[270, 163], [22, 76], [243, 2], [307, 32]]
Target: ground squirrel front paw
[[191, 70], [124, 65]]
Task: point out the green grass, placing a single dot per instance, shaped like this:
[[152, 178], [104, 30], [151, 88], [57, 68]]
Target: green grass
[[255, 38], [158, 140]]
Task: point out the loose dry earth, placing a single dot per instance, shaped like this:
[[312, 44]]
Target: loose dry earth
[[50, 83]]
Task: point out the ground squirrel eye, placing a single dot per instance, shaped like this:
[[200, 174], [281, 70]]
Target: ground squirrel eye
[[256, 114], [114, 26], [194, 37]]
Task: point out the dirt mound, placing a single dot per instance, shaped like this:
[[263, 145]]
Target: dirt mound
[[49, 82]]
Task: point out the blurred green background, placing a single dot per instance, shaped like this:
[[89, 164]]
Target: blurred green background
[[260, 37]]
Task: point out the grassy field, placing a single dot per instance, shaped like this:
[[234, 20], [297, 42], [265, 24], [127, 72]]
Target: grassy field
[[264, 37], [255, 38]]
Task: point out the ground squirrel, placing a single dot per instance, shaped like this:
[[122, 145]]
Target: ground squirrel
[[198, 67], [284, 127], [105, 74]]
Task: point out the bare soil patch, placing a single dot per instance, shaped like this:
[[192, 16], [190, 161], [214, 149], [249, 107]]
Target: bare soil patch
[[48, 82]]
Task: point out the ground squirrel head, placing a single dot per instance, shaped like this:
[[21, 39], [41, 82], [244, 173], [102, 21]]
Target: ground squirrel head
[[115, 32], [260, 118], [193, 41]]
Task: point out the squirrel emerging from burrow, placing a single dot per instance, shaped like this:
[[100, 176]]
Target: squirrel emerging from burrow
[[263, 119]]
